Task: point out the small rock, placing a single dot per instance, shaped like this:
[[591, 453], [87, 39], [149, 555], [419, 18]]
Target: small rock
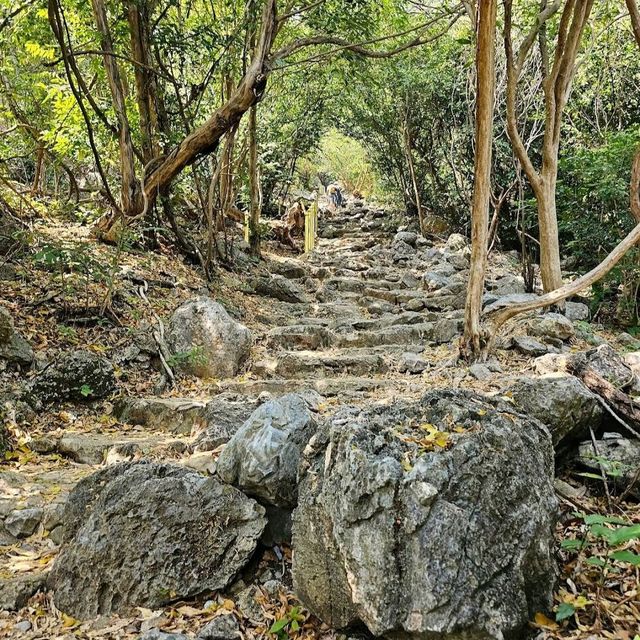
[[480, 372], [6, 326], [576, 311], [412, 363], [280, 288], [156, 634], [248, 606], [456, 242], [608, 364], [23, 523], [15, 592], [406, 236], [552, 325], [23, 626], [223, 627], [528, 346]]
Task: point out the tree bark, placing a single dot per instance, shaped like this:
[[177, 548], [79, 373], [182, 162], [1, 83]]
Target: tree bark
[[131, 201], [557, 88], [254, 185], [472, 341]]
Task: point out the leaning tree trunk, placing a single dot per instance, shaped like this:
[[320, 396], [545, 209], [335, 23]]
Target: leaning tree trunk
[[254, 185], [472, 341], [550, 270]]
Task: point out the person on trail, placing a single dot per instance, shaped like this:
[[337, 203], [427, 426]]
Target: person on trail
[[336, 199]]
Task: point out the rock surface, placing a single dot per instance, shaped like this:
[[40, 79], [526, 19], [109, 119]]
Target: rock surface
[[262, 457], [561, 402], [144, 534], [75, 375], [454, 543], [14, 349], [206, 341]]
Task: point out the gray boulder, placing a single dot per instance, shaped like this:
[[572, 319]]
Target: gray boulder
[[262, 457], [576, 311], [607, 363], [552, 325], [22, 523], [15, 592], [206, 341], [561, 402], [409, 237], [620, 459], [14, 349], [454, 542], [412, 363], [280, 288], [144, 534], [76, 376]]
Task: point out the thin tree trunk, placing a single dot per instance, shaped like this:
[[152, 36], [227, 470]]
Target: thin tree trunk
[[472, 341], [254, 184], [131, 201], [412, 173], [550, 271]]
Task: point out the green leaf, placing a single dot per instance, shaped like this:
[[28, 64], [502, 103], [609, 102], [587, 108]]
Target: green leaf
[[624, 534], [279, 625], [594, 561], [593, 476], [596, 518], [86, 390], [565, 610], [627, 556], [294, 626], [571, 543]]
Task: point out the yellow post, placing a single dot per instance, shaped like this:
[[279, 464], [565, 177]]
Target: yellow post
[[246, 226]]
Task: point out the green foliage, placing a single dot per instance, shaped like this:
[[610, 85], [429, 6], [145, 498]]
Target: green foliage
[[194, 356], [288, 625]]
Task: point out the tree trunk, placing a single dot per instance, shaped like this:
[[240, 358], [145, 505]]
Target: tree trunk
[[412, 173], [206, 138], [254, 222], [472, 341], [131, 200], [548, 234]]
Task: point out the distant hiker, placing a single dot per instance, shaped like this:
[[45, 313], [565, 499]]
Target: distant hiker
[[336, 199]]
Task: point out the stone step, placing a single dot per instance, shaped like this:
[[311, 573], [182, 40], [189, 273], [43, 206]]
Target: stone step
[[441, 331], [300, 364]]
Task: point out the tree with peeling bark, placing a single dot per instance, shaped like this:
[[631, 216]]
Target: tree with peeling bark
[[472, 341], [558, 71]]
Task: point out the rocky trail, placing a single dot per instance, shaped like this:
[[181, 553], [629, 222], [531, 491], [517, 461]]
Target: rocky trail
[[168, 515]]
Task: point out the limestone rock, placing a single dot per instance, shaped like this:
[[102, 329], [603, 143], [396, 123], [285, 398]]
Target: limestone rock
[[262, 457], [222, 627], [15, 592], [74, 375], [280, 288], [22, 523], [620, 458], [412, 363], [576, 311], [208, 342], [144, 534], [608, 364], [561, 402], [454, 543], [552, 325]]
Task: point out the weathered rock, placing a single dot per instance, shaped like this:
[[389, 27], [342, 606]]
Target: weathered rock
[[156, 634], [412, 363], [607, 363], [506, 285], [144, 534], [22, 523], [288, 268], [74, 375], [14, 349], [280, 288], [620, 458], [224, 415], [262, 457], [15, 592], [456, 242], [222, 627], [406, 236], [299, 337], [552, 325], [480, 371], [206, 340], [173, 415], [576, 311], [561, 402], [529, 346], [6, 326], [454, 543]]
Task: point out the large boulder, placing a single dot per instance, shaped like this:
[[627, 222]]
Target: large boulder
[[561, 402], [206, 341], [14, 349], [262, 457], [428, 519], [76, 376], [145, 534]]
